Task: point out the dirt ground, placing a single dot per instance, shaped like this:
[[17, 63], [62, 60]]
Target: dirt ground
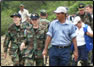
[[7, 61]]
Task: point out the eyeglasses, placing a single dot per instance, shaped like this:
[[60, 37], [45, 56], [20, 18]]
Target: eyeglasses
[[60, 13]]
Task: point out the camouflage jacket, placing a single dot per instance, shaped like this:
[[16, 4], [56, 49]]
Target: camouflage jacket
[[45, 21], [15, 35], [35, 36], [87, 19]]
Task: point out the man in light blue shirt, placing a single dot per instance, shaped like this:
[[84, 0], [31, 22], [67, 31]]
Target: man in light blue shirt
[[61, 33]]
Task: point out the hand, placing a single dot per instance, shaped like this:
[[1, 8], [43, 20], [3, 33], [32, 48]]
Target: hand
[[44, 53], [87, 33], [22, 46], [75, 55], [5, 55]]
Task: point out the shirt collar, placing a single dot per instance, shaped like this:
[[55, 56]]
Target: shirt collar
[[66, 22], [23, 10]]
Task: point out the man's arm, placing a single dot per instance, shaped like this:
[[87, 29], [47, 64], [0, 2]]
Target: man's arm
[[48, 40], [6, 44], [28, 16], [89, 34], [75, 48], [89, 31]]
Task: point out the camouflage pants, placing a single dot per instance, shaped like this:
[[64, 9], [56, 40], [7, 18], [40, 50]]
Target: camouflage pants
[[39, 62], [90, 57], [16, 57], [28, 57], [29, 62], [33, 59], [39, 58]]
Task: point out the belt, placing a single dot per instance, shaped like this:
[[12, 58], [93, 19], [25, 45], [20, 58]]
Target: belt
[[60, 46]]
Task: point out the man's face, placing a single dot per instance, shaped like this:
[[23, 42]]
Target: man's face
[[79, 24], [21, 7], [88, 9], [34, 21], [16, 19], [60, 15], [81, 11]]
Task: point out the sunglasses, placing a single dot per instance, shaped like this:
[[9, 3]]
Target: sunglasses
[[34, 19]]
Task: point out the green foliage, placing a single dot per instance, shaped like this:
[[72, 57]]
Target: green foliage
[[10, 7], [5, 20], [74, 8]]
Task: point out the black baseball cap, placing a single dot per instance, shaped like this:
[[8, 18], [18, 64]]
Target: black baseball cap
[[16, 14], [34, 16]]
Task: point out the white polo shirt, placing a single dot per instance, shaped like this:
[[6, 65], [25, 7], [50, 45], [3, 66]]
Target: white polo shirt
[[24, 14], [80, 35]]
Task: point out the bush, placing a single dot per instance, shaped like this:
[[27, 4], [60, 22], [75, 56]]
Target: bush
[[9, 8], [74, 8], [5, 20]]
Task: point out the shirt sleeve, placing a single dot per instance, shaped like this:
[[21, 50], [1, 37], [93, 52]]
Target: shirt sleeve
[[73, 31], [27, 12], [50, 30], [89, 30], [19, 12]]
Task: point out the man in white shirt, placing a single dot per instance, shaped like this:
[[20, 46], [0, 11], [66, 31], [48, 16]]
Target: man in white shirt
[[81, 43], [24, 13]]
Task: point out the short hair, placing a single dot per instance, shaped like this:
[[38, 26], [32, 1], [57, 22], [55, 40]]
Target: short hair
[[90, 6]]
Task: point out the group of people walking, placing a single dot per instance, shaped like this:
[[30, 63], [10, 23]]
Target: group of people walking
[[31, 35]]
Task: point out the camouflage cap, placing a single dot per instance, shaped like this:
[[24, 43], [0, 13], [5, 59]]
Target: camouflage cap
[[21, 5], [43, 11], [81, 6]]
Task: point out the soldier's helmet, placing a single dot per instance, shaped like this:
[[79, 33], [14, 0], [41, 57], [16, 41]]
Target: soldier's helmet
[[34, 16]]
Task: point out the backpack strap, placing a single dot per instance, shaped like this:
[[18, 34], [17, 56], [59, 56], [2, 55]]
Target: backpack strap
[[85, 28]]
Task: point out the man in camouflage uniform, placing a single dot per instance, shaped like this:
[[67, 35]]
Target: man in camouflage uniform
[[15, 35], [85, 16], [87, 19], [89, 9], [43, 16], [36, 34]]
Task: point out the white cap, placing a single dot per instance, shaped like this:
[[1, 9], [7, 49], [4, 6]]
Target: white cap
[[76, 20], [61, 9]]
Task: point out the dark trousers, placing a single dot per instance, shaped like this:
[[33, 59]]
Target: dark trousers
[[59, 56], [82, 55]]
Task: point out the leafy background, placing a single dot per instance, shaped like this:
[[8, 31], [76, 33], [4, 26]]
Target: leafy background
[[10, 7]]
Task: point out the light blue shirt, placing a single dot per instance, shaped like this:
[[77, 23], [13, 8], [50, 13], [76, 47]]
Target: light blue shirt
[[61, 34]]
